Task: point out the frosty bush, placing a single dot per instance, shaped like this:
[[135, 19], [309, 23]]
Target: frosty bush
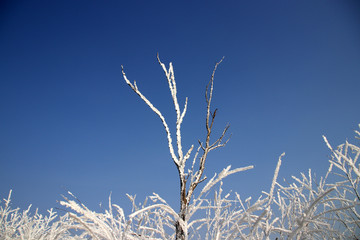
[[303, 209], [16, 224]]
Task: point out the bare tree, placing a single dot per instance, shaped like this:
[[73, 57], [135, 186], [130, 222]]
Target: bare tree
[[189, 178]]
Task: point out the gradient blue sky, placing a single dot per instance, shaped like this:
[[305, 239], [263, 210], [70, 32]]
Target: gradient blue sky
[[68, 120]]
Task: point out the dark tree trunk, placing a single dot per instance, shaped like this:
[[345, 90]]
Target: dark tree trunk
[[180, 233]]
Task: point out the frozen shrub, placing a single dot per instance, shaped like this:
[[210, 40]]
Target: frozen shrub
[[303, 209]]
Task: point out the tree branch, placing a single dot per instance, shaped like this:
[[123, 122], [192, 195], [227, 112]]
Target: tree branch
[[154, 109]]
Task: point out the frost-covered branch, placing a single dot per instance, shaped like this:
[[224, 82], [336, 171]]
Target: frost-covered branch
[[162, 118]]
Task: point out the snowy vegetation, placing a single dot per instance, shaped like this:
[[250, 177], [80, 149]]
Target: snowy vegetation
[[304, 209]]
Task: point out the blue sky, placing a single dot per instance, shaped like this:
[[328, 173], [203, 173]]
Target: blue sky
[[69, 122]]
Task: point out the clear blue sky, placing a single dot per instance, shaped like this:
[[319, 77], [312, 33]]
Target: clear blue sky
[[68, 120]]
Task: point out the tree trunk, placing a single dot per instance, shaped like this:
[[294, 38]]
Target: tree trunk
[[180, 233]]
